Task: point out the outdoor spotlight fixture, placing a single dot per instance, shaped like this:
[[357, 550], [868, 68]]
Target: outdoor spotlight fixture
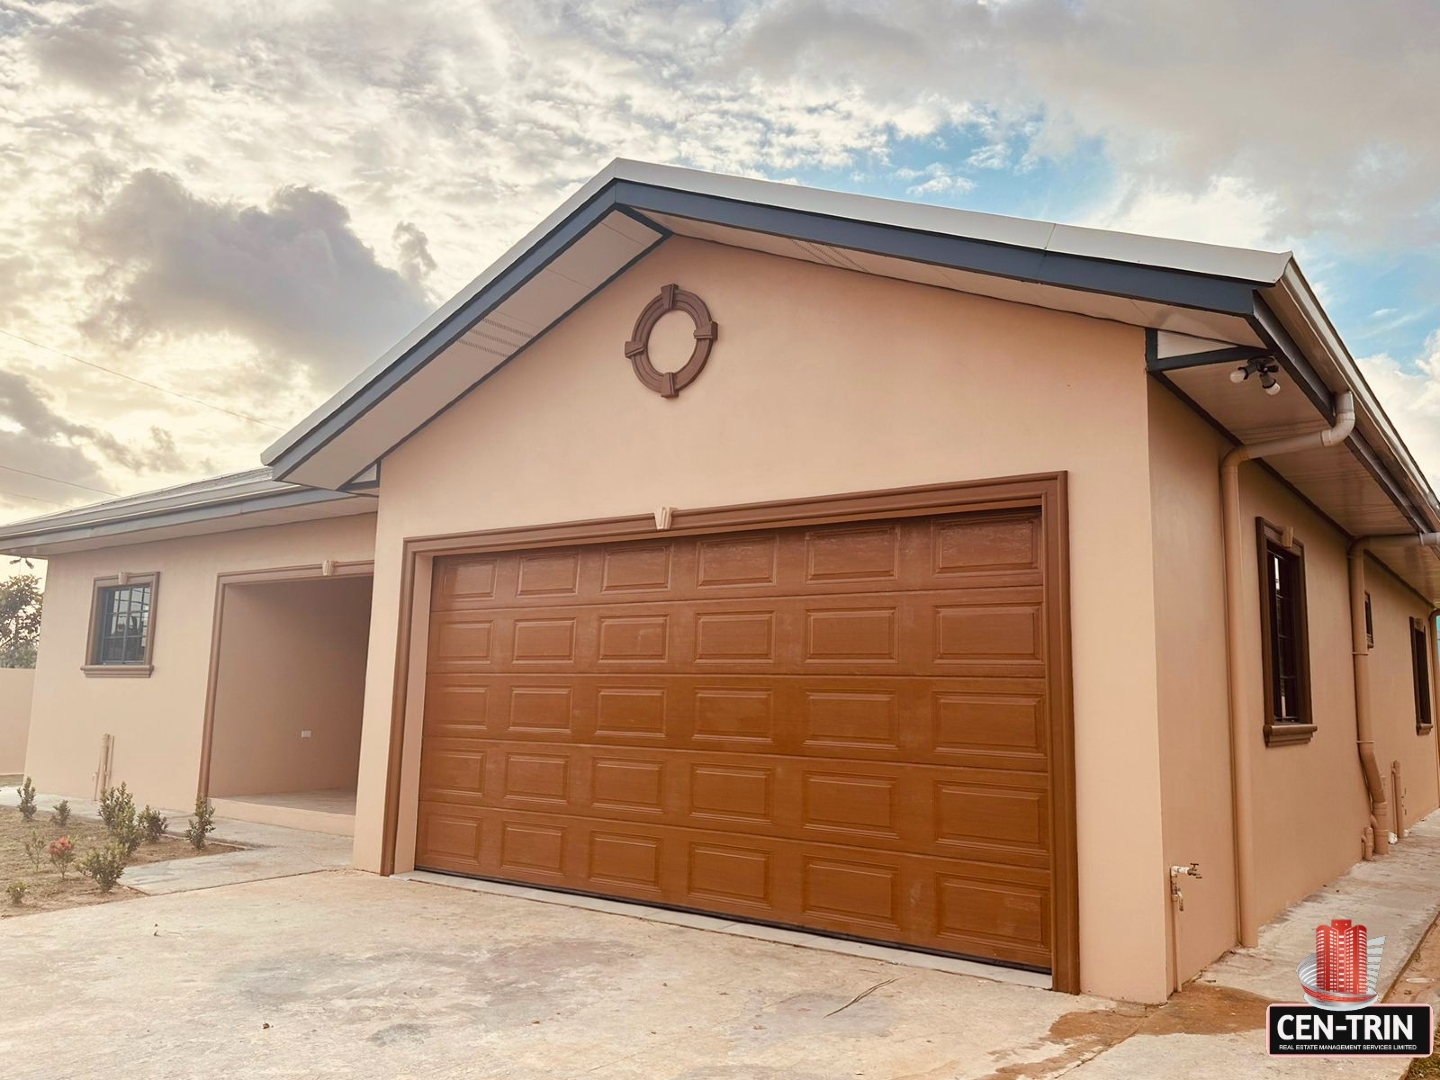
[[1262, 366]]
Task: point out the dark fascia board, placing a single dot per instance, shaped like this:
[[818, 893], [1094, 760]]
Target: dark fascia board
[[165, 518], [1137, 282], [1268, 328], [1393, 491], [1181, 288]]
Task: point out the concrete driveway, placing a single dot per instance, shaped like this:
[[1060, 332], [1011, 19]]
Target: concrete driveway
[[266, 963], [344, 974]]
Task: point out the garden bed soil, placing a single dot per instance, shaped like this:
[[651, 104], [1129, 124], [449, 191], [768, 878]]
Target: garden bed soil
[[47, 891]]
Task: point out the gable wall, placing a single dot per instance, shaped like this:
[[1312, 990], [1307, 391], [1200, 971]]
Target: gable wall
[[825, 381]]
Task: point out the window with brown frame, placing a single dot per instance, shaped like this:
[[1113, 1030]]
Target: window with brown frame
[[122, 626], [1284, 637], [1420, 661], [1369, 623]]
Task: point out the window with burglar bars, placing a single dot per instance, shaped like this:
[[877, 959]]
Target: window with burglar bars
[[1285, 641], [122, 630], [1420, 660]]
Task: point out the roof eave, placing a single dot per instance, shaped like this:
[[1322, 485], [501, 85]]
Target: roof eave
[[28, 537], [292, 448], [1295, 298], [1189, 275]]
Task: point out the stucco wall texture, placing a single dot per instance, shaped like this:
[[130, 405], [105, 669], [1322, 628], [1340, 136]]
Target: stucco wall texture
[[158, 722], [825, 381], [1193, 681], [17, 686]]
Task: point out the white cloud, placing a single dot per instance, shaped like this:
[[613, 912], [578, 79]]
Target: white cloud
[[247, 199], [1410, 395], [1227, 212], [1334, 122], [935, 179], [291, 277]]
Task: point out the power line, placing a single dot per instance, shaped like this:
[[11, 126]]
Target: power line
[[32, 498], [56, 479], [142, 382]]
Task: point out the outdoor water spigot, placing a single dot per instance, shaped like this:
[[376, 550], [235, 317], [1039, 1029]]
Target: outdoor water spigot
[[1193, 870]]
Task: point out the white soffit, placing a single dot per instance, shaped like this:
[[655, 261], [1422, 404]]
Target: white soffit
[[1094, 304], [524, 315], [1418, 567], [1335, 479], [1168, 344]]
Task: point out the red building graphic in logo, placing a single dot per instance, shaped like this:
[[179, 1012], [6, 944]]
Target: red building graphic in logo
[[1340, 957], [1343, 971]]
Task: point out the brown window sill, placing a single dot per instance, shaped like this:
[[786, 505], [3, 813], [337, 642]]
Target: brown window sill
[[117, 671], [1424, 729], [1288, 734]]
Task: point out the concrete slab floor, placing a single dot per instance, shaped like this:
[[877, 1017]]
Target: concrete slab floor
[[359, 976]]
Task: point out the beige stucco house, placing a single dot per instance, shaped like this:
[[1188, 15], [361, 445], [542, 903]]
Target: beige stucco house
[[884, 570]]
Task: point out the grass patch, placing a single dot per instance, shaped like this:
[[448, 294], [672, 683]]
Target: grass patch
[[47, 891]]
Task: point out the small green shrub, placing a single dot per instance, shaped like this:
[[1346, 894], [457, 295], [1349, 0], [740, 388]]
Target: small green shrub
[[26, 791], [105, 865], [116, 806], [61, 814], [34, 846], [128, 835], [16, 890], [62, 854], [153, 824], [202, 824], [117, 810]]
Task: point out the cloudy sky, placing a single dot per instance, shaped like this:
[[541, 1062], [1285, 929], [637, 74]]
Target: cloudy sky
[[216, 213]]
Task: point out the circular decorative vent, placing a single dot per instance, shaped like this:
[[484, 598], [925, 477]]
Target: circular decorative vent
[[672, 298]]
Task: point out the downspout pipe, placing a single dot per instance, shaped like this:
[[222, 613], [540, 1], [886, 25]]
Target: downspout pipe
[[1242, 729], [1360, 649]]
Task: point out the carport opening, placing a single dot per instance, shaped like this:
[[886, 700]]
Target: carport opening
[[289, 694]]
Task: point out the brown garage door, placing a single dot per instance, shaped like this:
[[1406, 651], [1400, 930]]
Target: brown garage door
[[844, 728]]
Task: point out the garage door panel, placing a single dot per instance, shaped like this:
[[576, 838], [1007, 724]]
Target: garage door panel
[[999, 552], [985, 815], [456, 707], [984, 723], [843, 727], [998, 632], [461, 641], [1009, 919], [971, 908], [630, 713]]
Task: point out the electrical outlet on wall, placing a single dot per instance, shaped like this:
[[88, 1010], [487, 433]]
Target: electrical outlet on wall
[[305, 734]]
